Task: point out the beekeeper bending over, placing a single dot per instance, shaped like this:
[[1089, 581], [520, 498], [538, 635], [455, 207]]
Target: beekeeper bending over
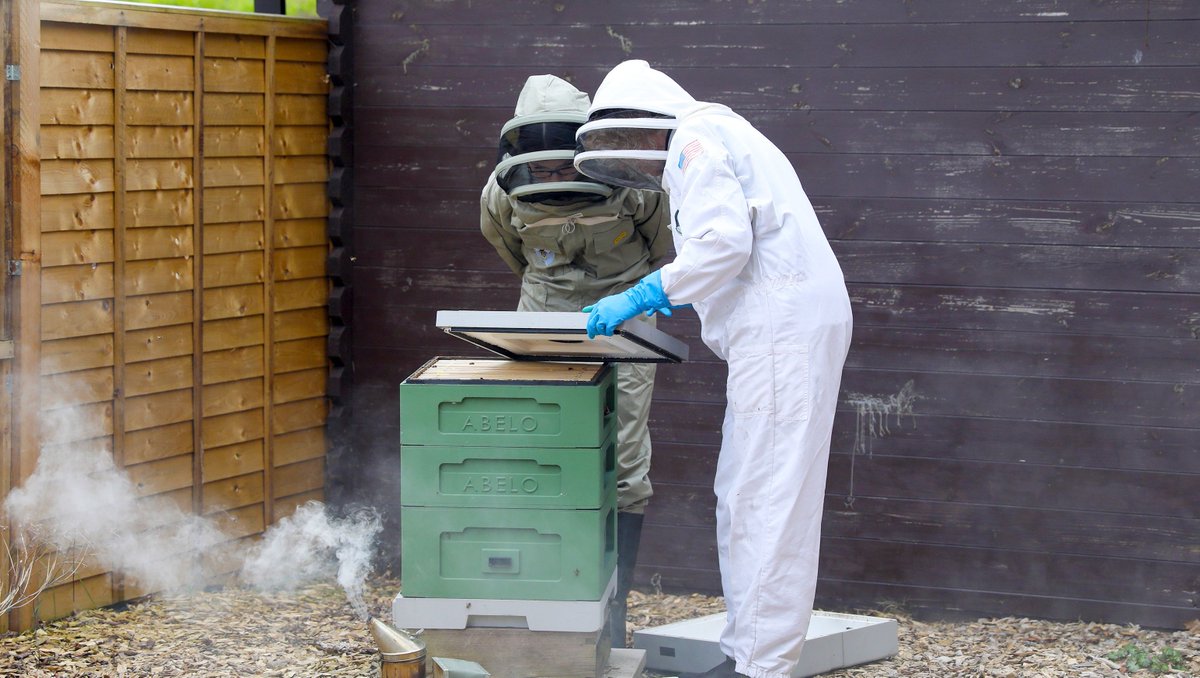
[[574, 240], [751, 258]]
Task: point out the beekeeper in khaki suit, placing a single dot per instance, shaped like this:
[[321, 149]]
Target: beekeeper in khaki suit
[[574, 240]]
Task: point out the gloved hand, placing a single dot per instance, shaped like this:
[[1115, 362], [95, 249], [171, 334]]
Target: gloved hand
[[608, 313]]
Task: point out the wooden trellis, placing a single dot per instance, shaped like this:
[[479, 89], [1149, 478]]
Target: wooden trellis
[[171, 302]]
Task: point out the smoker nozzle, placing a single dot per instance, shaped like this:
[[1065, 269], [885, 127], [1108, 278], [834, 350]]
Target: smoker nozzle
[[392, 641]]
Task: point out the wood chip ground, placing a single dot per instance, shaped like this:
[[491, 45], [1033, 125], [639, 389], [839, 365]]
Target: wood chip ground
[[312, 633]]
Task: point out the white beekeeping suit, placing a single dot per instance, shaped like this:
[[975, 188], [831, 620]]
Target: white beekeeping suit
[[752, 259], [573, 240]]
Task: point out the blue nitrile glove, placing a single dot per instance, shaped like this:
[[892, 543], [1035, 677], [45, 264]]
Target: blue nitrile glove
[[608, 313], [666, 310]]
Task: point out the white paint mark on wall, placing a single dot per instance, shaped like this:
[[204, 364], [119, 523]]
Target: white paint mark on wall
[[872, 419]]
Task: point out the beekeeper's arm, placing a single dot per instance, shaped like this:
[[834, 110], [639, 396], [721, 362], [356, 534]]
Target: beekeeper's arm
[[713, 221], [495, 221]]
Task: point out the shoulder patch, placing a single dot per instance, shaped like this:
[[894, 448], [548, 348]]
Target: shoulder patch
[[689, 153]]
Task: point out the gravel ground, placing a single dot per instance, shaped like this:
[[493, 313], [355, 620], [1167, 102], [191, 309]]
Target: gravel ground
[[312, 633]]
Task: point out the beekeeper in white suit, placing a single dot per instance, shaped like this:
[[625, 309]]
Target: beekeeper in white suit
[[752, 259], [574, 240]]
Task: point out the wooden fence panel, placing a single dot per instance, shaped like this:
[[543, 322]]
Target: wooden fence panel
[[155, 311]]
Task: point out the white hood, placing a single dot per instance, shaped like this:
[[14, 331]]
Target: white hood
[[634, 84], [548, 94]]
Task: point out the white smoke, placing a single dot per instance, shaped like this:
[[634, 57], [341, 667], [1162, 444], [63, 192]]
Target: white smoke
[[77, 501], [309, 545]]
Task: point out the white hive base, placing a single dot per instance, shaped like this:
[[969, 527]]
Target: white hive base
[[834, 641]]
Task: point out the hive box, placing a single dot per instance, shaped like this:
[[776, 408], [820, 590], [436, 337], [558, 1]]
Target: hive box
[[508, 477], [461, 402], [833, 641], [530, 554]]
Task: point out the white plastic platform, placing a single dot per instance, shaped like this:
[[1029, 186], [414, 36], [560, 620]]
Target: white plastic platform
[[834, 641], [574, 616]]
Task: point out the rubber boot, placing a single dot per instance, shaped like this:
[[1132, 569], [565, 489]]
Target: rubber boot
[[629, 536]]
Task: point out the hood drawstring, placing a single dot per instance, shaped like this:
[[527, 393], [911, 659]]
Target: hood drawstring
[[568, 226]]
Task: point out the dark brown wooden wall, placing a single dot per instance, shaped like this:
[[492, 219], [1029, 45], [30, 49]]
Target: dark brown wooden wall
[[1013, 189]]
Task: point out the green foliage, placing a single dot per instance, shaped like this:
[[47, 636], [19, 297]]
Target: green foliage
[[1137, 658], [294, 7]]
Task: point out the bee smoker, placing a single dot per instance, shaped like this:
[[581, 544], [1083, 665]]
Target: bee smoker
[[401, 655]]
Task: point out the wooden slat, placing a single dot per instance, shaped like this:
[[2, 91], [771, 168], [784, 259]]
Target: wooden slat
[[301, 78], [299, 446], [83, 594], [233, 333], [220, 142], [233, 302], [77, 388], [158, 275], [154, 175], [77, 176], [302, 324], [232, 364], [67, 248], [77, 70], [157, 310], [233, 171], [300, 109], [295, 263], [158, 243], [79, 211], [299, 201], [158, 410], [235, 237], [159, 142], [301, 354], [234, 75], [296, 294], [65, 142], [292, 49], [81, 353], [301, 169], [300, 477], [300, 233], [77, 283], [300, 140], [81, 37], [286, 506], [234, 109], [76, 107], [233, 396], [297, 416], [159, 208], [146, 41], [234, 46], [77, 423], [159, 108], [160, 73], [233, 204], [158, 442], [162, 475], [292, 386], [230, 429], [239, 268], [241, 522], [160, 342], [234, 460], [233, 493], [61, 321], [157, 376]]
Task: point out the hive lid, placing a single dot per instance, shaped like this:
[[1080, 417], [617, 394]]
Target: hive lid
[[532, 335]]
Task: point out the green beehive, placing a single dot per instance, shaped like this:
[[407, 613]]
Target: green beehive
[[460, 402], [508, 477], [523, 554]]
